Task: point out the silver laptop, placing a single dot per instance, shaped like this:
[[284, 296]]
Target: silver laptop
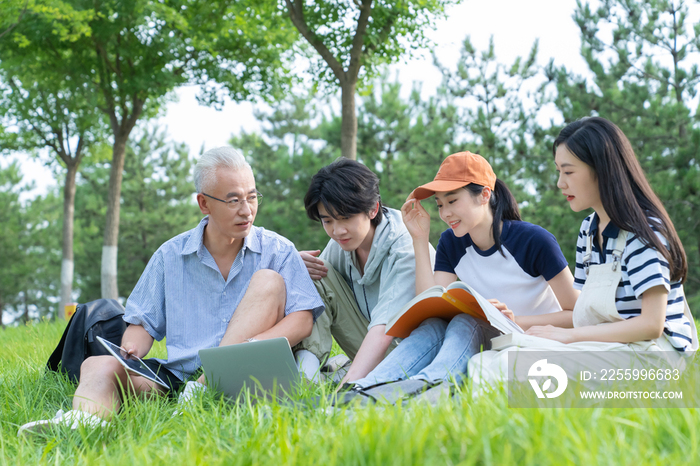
[[266, 368]]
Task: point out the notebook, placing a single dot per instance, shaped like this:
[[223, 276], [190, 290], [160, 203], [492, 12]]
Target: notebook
[[267, 368]]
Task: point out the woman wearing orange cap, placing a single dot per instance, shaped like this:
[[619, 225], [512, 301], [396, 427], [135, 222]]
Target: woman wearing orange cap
[[516, 264]]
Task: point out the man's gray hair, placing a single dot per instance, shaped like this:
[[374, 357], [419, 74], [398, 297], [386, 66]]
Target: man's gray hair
[[221, 157]]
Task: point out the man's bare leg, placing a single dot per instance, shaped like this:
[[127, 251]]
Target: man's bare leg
[[101, 381], [261, 308]]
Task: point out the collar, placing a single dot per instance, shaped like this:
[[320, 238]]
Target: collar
[[196, 239], [195, 243], [611, 230], [492, 250]]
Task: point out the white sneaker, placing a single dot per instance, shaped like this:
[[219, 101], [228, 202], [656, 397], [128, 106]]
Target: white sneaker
[[336, 367], [308, 364], [71, 419], [192, 391]]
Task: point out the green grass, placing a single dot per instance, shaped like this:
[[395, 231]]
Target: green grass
[[460, 431]]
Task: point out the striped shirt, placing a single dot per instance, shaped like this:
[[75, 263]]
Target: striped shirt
[[642, 268], [183, 295]]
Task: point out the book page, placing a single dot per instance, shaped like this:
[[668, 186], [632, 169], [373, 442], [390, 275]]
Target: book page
[[465, 293]]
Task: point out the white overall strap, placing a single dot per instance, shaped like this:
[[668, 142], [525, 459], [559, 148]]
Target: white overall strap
[[588, 253], [620, 244]]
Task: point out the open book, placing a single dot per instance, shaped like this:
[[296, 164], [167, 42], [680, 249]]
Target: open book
[[438, 301]]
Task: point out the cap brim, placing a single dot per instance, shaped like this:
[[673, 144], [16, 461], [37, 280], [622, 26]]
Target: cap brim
[[428, 189]]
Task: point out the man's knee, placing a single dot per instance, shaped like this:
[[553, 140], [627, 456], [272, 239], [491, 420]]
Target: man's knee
[[100, 367], [268, 281]]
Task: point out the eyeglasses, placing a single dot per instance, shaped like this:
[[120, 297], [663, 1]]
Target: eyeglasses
[[235, 203]]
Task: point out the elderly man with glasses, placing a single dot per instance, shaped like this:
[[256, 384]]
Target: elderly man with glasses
[[222, 283]]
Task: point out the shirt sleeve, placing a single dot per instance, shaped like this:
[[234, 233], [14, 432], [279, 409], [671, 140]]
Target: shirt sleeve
[[549, 261], [646, 267], [535, 249], [445, 250], [398, 285], [146, 304], [301, 292]]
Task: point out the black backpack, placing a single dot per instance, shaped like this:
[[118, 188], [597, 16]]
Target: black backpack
[[104, 318]]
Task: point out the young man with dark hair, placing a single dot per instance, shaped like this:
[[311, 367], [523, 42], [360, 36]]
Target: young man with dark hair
[[365, 274]]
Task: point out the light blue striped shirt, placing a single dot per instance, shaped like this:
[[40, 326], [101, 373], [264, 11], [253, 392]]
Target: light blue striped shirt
[[183, 295]]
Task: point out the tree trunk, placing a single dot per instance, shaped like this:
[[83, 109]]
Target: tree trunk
[[111, 238], [68, 219], [348, 131], [25, 316]]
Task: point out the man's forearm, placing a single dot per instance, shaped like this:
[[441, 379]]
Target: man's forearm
[[371, 353], [295, 327], [136, 337]]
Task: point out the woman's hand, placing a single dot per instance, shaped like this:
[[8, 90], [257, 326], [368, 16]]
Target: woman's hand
[[564, 335], [503, 308], [416, 219]]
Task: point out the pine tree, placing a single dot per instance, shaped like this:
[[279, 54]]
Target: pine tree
[[644, 79]]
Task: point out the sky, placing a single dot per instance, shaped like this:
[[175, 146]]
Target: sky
[[514, 24]]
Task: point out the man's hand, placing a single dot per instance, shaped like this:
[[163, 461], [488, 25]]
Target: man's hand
[[129, 349], [503, 308], [313, 264]]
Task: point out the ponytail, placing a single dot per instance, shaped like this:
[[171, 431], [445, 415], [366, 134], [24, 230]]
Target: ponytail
[[503, 207]]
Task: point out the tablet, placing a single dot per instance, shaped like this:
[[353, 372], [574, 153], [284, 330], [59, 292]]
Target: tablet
[[133, 364]]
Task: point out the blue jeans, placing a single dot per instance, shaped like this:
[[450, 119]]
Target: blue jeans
[[436, 350]]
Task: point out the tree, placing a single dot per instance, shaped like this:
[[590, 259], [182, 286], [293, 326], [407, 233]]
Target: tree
[[16, 11], [10, 232], [353, 39], [157, 204], [644, 79], [53, 112], [401, 140], [29, 248], [131, 54], [290, 150]]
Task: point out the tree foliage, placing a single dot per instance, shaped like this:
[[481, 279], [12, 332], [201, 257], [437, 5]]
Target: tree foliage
[[30, 248], [46, 111], [643, 60], [353, 39], [131, 54], [641, 75], [157, 204]]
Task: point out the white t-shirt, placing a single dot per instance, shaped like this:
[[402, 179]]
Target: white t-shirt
[[518, 277]]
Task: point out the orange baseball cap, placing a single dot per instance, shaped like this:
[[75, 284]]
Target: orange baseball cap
[[458, 170]]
